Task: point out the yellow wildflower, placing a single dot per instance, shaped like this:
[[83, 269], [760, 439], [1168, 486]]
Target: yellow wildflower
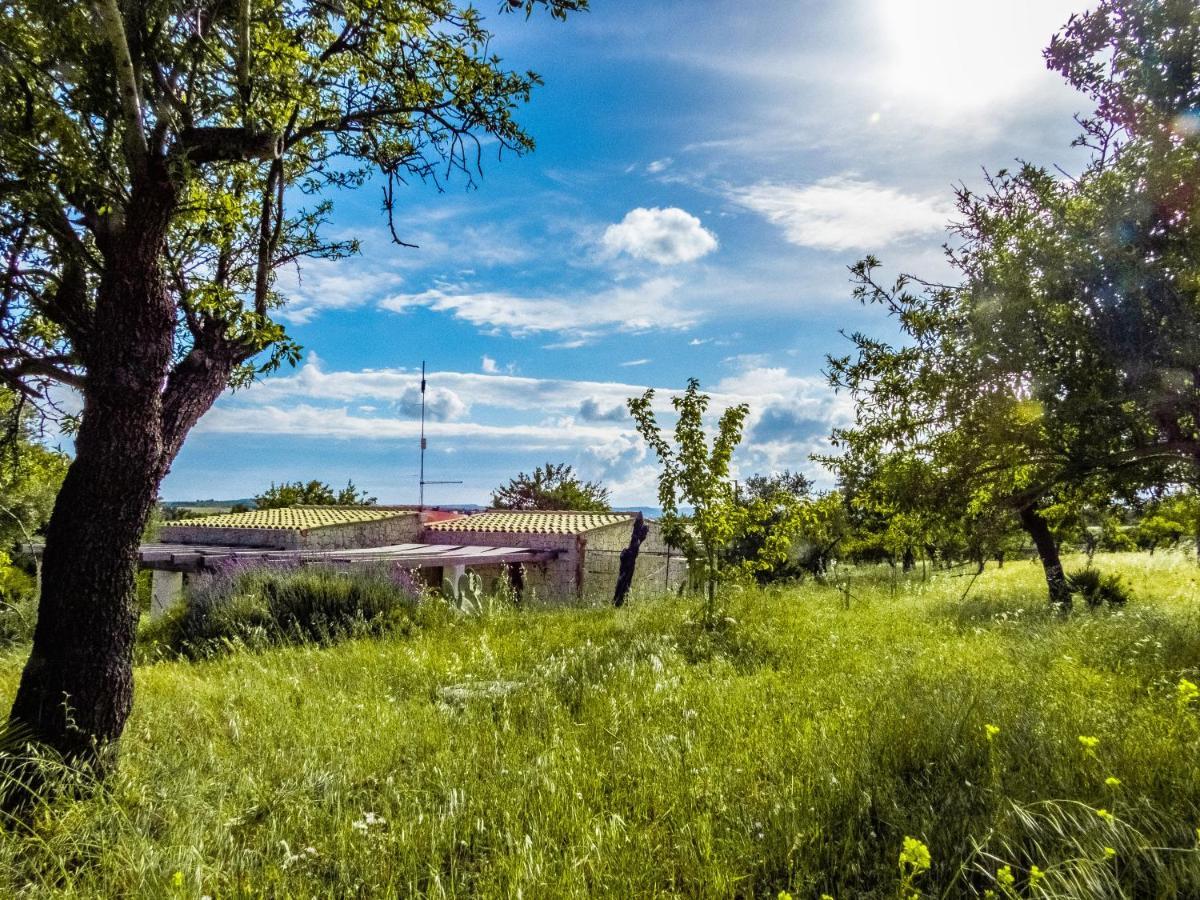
[[1186, 692], [1104, 814], [1005, 877], [1110, 852], [1089, 742], [1112, 781], [914, 858], [1035, 875], [990, 731]]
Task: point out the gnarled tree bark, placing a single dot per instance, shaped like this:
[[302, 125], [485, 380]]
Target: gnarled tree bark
[[76, 690], [1038, 529]]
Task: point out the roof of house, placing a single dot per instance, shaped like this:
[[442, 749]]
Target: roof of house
[[537, 522], [294, 518]]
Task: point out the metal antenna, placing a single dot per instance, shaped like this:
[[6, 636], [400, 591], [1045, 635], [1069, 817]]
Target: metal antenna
[[424, 445], [421, 477]]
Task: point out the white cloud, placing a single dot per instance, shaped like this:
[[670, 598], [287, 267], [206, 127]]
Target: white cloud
[[665, 236], [594, 409], [441, 405], [659, 165], [790, 417], [489, 365], [843, 213], [633, 362], [324, 284], [639, 307], [934, 58], [306, 420]]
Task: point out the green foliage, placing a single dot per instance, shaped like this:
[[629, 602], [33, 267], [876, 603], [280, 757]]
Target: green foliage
[[624, 753], [696, 475], [466, 594], [261, 607], [1097, 589], [772, 509], [310, 493], [221, 121], [552, 486], [30, 473], [1057, 368]]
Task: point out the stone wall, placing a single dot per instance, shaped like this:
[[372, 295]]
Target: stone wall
[[588, 564], [658, 571], [554, 581], [402, 529]]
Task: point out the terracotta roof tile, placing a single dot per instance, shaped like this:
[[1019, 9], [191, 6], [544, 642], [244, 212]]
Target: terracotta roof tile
[[295, 518], [511, 522]]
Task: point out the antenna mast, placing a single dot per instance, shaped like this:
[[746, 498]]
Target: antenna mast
[[424, 445], [421, 486]]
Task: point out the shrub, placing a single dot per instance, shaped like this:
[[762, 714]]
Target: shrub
[[18, 602], [261, 606], [17, 618], [1097, 589]]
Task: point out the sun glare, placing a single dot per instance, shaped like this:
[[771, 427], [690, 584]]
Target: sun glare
[[957, 56]]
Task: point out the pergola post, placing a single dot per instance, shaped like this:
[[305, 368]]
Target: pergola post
[[166, 589]]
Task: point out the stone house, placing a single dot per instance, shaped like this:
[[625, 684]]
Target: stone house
[[578, 555], [589, 549]]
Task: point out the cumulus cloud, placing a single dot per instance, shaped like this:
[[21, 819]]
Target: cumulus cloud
[[594, 410], [441, 405], [312, 383], [843, 213], [665, 236], [789, 423], [790, 419]]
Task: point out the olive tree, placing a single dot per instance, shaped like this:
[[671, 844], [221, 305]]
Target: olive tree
[[160, 162], [1064, 360]]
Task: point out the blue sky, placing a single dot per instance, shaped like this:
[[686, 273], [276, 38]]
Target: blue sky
[[705, 172]]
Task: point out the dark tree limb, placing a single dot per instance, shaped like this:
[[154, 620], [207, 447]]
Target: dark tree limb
[[629, 560]]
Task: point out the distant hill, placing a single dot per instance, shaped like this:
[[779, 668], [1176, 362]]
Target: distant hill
[[651, 512], [206, 504]]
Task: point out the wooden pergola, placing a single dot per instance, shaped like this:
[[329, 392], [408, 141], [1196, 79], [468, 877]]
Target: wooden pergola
[[171, 562], [192, 558]]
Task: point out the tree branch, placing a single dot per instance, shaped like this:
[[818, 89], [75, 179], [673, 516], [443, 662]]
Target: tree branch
[[113, 27], [227, 144]]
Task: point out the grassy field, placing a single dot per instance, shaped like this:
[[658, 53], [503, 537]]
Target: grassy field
[[629, 753]]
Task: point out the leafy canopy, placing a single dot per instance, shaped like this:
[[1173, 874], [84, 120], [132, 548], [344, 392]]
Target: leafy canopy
[[1062, 364], [310, 493], [229, 121], [552, 486]]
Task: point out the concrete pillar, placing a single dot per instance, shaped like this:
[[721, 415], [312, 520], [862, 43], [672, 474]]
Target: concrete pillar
[[456, 573], [166, 589]]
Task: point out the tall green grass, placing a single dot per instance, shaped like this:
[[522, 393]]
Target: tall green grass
[[256, 607], [630, 753]]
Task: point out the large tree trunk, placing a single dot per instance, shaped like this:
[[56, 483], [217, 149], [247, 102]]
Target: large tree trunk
[[77, 688], [1038, 529]]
